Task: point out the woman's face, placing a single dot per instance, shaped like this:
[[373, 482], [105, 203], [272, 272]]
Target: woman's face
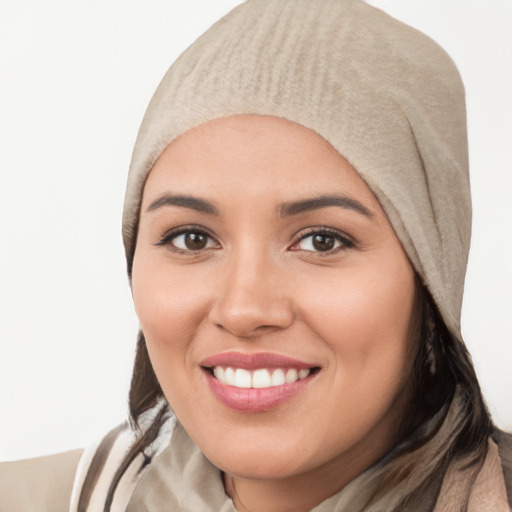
[[275, 300]]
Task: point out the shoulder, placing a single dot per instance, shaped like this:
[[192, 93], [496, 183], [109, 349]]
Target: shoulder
[[504, 443], [482, 487], [41, 484], [490, 491]]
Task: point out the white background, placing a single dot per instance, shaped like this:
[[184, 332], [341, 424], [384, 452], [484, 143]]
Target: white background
[[75, 79]]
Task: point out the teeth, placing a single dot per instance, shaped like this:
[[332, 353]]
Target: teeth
[[278, 378], [242, 378], [229, 376], [220, 373], [261, 378], [303, 374], [292, 375]]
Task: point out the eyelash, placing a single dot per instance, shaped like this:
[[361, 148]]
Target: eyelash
[[169, 236], [344, 241]]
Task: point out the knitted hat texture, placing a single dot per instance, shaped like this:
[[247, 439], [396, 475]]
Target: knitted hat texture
[[384, 95]]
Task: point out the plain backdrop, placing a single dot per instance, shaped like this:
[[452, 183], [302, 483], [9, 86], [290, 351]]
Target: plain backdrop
[[75, 79]]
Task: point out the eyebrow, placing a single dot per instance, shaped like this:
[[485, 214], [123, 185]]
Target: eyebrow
[[286, 209], [316, 203], [193, 203]]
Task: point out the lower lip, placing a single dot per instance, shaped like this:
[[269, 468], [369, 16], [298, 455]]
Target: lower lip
[[255, 399]]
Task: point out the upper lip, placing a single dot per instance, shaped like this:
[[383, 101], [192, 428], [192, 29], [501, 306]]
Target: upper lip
[[254, 361]]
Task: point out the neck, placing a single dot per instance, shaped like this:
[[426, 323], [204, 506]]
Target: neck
[[302, 492], [290, 495]]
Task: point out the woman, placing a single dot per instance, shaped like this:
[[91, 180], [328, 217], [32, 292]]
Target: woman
[[296, 228]]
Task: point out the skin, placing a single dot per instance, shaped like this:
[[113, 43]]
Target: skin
[[260, 284]]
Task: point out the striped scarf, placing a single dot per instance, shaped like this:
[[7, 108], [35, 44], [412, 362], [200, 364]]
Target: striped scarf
[[105, 483]]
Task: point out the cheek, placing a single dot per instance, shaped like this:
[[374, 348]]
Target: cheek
[[170, 311], [364, 316], [168, 307]]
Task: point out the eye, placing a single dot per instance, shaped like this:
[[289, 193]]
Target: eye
[[192, 241], [187, 240], [322, 241]]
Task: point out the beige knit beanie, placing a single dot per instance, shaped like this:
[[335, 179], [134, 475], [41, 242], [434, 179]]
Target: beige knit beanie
[[384, 95]]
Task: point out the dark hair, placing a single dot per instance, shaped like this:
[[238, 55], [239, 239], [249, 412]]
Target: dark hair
[[440, 370], [444, 400], [442, 365]]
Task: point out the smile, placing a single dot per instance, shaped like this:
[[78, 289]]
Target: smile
[[256, 382], [260, 378]]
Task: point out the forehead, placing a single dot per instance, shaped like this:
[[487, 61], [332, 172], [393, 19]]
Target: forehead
[[254, 155]]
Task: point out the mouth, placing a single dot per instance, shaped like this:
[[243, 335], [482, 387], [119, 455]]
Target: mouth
[[256, 382], [260, 378]]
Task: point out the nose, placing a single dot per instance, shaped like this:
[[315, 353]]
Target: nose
[[252, 298]]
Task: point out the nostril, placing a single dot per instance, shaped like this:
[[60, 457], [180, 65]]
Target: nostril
[[247, 331], [250, 322]]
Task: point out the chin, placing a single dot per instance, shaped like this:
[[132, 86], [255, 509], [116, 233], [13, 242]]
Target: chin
[[257, 464]]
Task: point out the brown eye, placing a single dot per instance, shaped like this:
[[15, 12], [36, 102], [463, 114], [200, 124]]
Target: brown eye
[[323, 241], [189, 241], [195, 241]]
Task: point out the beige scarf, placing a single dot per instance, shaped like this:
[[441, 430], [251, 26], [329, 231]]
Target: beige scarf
[[391, 102], [181, 479]]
